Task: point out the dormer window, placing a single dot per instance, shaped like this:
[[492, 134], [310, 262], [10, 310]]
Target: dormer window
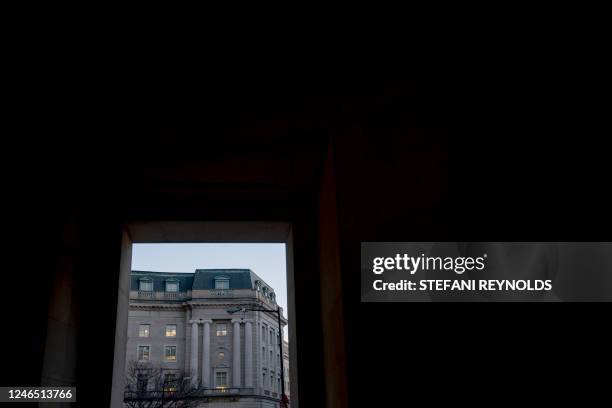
[[272, 296], [172, 286], [222, 283], [145, 285], [265, 291], [258, 285]]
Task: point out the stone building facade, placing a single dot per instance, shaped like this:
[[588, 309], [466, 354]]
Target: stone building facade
[[183, 321]]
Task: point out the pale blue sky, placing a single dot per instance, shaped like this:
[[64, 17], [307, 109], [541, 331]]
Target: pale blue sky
[[266, 260]]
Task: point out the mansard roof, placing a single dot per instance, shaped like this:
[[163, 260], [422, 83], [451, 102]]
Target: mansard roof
[[159, 279], [201, 279]]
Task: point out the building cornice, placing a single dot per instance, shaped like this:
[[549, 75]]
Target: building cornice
[[157, 306]]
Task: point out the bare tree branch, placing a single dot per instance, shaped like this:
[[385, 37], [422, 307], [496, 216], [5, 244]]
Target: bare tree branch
[[151, 386]]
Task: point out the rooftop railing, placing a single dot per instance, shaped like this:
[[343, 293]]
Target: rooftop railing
[[149, 295], [145, 295]]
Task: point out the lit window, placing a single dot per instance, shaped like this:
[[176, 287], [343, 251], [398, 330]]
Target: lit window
[[221, 379], [221, 355], [222, 283], [144, 330], [144, 353], [170, 381], [221, 329], [172, 286], [171, 330], [170, 353], [145, 285]]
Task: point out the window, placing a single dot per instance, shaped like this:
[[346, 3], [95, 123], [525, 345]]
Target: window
[[271, 358], [263, 380], [144, 353], [222, 283], [170, 381], [221, 379], [263, 334], [170, 240], [172, 286], [271, 336], [171, 330], [142, 381], [170, 353], [278, 386], [271, 380], [145, 285], [144, 330], [221, 329]]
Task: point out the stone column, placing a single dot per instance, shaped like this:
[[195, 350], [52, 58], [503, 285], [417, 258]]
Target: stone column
[[258, 353], [194, 353], [236, 355], [206, 354], [248, 354]]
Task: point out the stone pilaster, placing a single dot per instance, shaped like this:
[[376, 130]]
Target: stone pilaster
[[248, 354]]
